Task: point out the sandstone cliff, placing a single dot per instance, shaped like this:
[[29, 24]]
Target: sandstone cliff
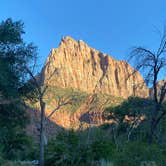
[[94, 78], [76, 65]]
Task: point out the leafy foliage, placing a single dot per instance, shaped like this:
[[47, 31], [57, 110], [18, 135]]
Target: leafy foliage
[[74, 97], [133, 153], [74, 148], [15, 55], [70, 148], [131, 117]]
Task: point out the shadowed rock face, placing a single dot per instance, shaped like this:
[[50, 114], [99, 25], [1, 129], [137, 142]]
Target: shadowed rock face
[[161, 86], [75, 65]]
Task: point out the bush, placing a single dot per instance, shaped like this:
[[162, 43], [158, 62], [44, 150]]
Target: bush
[[102, 149], [18, 146], [134, 153], [70, 148], [66, 149], [95, 149]]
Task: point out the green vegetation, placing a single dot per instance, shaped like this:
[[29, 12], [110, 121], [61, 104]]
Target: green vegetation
[[15, 54], [95, 147], [122, 143], [53, 94], [133, 117], [70, 148]]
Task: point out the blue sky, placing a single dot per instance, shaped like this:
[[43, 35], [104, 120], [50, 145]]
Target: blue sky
[[111, 26]]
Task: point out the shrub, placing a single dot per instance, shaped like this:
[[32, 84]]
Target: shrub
[[134, 153], [102, 149], [79, 149]]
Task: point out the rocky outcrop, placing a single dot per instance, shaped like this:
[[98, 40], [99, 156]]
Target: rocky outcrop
[[161, 86], [76, 65]]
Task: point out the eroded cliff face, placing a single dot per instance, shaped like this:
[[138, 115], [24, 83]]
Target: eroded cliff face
[[76, 65]]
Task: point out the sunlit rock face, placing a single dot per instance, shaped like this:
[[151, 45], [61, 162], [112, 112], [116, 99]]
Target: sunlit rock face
[[76, 65]]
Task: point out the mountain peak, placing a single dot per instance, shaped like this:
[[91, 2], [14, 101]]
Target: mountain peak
[[68, 41], [86, 69]]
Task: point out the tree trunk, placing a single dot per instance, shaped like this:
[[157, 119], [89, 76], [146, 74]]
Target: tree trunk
[[42, 132], [153, 124], [151, 132]]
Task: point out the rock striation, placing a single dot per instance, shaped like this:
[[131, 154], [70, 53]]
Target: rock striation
[[76, 65]]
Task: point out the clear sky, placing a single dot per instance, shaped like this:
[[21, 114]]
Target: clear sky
[[111, 26]]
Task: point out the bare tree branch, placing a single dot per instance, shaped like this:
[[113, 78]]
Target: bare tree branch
[[152, 63], [57, 108]]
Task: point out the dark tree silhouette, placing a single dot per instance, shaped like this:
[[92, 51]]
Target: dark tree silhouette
[[15, 54], [151, 64]]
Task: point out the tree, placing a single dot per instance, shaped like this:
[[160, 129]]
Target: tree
[[15, 54], [152, 64], [130, 119], [41, 90]]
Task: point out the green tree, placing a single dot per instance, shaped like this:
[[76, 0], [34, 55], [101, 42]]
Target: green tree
[[130, 119], [15, 55]]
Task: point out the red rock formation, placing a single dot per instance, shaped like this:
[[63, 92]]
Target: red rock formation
[[74, 64]]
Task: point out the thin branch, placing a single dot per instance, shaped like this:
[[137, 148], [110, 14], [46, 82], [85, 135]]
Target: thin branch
[[141, 51], [34, 80], [162, 47], [57, 108]]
